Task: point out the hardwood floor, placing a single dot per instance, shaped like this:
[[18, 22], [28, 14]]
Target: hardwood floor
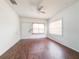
[[40, 49]]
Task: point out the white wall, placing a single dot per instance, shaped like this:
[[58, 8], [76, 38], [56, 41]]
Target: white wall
[[26, 29], [70, 27], [26, 24], [9, 27]]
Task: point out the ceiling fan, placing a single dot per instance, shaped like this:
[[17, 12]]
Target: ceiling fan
[[13, 2], [37, 4]]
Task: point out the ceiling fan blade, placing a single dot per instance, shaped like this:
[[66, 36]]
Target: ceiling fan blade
[[13, 2], [40, 9]]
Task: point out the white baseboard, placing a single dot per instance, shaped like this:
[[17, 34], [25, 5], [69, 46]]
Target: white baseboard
[[63, 43]]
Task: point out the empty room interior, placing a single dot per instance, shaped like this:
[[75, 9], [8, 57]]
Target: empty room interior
[[39, 29]]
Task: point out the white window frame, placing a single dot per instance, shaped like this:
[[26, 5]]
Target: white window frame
[[38, 28]]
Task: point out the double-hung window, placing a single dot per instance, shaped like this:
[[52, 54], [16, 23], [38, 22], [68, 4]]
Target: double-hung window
[[38, 28]]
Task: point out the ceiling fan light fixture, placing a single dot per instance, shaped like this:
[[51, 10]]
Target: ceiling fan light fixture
[[41, 9]]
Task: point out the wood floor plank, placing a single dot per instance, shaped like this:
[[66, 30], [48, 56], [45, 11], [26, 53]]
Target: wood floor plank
[[43, 48]]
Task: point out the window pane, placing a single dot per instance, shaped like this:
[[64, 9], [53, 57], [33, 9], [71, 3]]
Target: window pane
[[35, 31], [38, 28], [35, 26], [56, 27], [41, 26], [41, 31]]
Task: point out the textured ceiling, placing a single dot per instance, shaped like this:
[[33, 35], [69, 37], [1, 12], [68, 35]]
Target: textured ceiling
[[28, 8]]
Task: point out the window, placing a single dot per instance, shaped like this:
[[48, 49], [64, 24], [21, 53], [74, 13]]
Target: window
[[56, 27], [38, 28]]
